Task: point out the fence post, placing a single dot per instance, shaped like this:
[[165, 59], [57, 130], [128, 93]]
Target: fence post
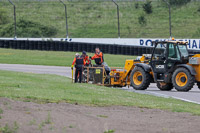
[[170, 25], [67, 35], [117, 18], [14, 17]]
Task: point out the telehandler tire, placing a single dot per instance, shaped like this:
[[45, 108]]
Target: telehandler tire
[[183, 80], [198, 84], [140, 80], [165, 86]]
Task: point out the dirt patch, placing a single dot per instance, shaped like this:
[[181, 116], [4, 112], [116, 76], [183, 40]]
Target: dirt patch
[[63, 117]]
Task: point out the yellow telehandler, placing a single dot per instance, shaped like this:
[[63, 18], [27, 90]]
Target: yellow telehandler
[[169, 65]]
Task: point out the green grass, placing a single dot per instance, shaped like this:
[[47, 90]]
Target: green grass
[[52, 88], [53, 58], [99, 19], [1, 111], [9, 129], [109, 131]]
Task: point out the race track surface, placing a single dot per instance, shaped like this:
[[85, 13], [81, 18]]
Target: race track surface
[[191, 96]]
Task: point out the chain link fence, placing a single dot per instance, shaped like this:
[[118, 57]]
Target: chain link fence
[[98, 19]]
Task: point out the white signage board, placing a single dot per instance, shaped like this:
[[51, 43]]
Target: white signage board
[[192, 43]]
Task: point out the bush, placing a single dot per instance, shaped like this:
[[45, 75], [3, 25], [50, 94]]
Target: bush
[[142, 20], [26, 28], [179, 2], [198, 10], [136, 5], [147, 7], [3, 16]]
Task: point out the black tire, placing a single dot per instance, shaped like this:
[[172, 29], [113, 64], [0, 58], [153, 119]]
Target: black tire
[[165, 86], [198, 84], [188, 84], [145, 82]]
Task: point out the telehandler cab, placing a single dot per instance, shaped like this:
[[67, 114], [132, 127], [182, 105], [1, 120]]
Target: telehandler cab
[[170, 66]]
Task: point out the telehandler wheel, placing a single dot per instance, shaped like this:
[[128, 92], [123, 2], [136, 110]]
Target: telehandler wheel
[[140, 80], [183, 80], [165, 86], [198, 84]]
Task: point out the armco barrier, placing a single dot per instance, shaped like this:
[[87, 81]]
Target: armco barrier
[[26, 46], [78, 47], [31, 45], [2, 44], [6, 44], [105, 47]]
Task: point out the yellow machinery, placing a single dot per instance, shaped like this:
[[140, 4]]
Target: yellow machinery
[[118, 77], [169, 66], [121, 77]]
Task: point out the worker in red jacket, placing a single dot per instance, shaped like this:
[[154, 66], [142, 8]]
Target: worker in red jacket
[[79, 64], [86, 58], [98, 57]]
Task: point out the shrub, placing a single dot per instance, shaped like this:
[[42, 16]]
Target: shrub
[[198, 10], [3, 16], [9, 129], [26, 28], [136, 5], [147, 7], [142, 20]]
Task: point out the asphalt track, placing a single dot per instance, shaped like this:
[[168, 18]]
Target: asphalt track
[[191, 96]]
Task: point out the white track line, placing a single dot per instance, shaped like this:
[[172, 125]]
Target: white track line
[[167, 96]]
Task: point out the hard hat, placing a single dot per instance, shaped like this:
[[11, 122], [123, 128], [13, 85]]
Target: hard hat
[[77, 54], [84, 52]]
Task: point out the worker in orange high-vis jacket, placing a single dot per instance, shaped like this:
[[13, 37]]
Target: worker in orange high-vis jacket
[[79, 64], [86, 58], [99, 60], [98, 57]]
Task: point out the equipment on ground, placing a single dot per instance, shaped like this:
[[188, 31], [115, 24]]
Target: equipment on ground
[[170, 65]]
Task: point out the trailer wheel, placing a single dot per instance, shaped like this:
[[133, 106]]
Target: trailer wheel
[[165, 86], [183, 80], [140, 80]]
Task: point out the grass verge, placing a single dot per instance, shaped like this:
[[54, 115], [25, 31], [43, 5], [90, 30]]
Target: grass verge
[[52, 88], [52, 58]]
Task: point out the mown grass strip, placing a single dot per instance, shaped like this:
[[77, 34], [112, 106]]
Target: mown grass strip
[[53, 58], [52, 88]]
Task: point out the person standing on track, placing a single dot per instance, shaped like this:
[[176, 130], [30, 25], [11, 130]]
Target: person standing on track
[[79, 64]]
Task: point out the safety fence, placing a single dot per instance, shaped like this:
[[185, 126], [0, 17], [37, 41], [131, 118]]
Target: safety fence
[[78, 47]]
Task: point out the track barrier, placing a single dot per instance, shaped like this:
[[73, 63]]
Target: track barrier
[[78, 47]]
